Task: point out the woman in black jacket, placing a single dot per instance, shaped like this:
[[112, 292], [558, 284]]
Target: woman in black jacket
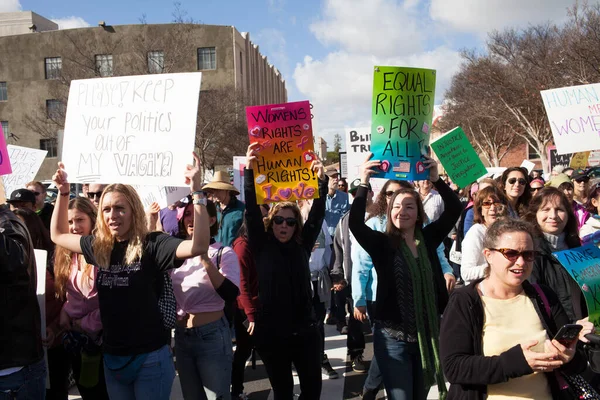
[[494, 336], [411, 290], [285, 329]]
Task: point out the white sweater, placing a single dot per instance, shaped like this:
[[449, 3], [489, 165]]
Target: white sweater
[[473, 262]]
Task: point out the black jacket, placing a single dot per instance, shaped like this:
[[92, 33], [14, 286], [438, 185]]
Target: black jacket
[[383, 251], [284, 282], [20, 321], [548, 271], [461, 345]]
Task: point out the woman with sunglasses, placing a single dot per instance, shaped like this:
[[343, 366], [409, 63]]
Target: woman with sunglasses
[[536, 185], [556, 229], [285, 327], [489, 206], [411, 292], [516, 187], [581, 185], [486, 351]]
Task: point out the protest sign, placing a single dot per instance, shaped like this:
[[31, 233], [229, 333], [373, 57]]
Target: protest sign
[[131, 129], [163, 195], [25, 163], [358, 146], [239, 163], [461, 162], [580, 160], [282, 171], [558, 159], [574, 116], [528, 165], [402, 112], [583, 264], [594, 158], [343, 164], [5, 167]]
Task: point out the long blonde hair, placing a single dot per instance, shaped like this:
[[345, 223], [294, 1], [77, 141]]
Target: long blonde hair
[[104, 241], [63, 258]]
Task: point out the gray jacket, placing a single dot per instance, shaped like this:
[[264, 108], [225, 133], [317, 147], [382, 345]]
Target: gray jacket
[[342, 264]]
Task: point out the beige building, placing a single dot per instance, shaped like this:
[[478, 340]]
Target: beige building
[[38, 62]]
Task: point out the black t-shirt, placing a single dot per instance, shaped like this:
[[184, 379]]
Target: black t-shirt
[[131, 320], [45, 214]]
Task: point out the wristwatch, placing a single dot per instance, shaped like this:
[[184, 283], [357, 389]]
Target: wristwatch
[[200, 202]]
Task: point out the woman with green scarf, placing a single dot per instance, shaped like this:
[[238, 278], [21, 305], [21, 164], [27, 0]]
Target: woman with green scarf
[[411, 291]]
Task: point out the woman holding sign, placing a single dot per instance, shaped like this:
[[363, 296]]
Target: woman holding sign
[[285, 328], [137, 359], [411, 291]]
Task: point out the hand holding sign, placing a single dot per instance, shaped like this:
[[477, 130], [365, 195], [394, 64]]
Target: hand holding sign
[[252, 154], [317, 166], [432, 166], [368, 168], [60, 179], [193, 175]]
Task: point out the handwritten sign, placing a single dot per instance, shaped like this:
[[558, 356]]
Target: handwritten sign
[[574, 116], [239, 163], [402, 112], [163, 195], [5, 167], [286, 151], [555, 158], [458, 157], [580, 160], [131, 129], [358, 146], [26, 163]]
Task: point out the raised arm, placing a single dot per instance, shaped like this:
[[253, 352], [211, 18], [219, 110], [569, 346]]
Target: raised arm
[[254, 219], [59, 225], [200, 240], [314, 222]]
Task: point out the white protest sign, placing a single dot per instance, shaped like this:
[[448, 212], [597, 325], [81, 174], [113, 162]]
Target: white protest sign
[[41, 257], [574, 116], [25, 164], [343, 164], [358, 145], [528, 165], [163, 195], [239, 163], [131, 129]]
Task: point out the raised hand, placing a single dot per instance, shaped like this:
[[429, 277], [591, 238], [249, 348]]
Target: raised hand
[[193, 175], [432, 166], [368, 168], [251, 155], [60, 179], [317, 166]]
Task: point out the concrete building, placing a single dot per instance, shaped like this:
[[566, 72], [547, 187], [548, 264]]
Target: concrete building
[[37, 65], [321, 148]]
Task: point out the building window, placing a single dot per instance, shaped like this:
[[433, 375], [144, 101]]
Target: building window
[[104, 64], [207, 58], [532, 153], [53, 67], [156, 62], [50, 146], [4, 129], [3, 91], [54, 109]]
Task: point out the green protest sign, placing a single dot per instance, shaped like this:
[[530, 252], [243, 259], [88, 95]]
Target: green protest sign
[[403, 100], [583, 264], [458, 157]]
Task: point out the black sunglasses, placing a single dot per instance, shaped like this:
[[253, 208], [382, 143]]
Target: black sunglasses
[[91, 195], [535, 189], [583, 179], [389, 193], [513, 255], [278, 220], [521, 181]]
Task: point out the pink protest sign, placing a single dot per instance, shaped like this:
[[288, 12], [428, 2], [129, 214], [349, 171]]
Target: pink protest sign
[[5, 167], [282, 171]]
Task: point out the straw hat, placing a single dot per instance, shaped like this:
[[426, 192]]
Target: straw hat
[[221, 181]]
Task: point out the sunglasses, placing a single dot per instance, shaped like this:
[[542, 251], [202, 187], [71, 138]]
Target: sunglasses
[[584, 179], [91, 195], [278, 220], [389, 193], [535, 189], [513, 255], [497, 206], [521, 181]]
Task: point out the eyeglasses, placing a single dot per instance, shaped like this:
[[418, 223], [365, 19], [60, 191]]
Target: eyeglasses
[[91, 195], [581, 180], [535, 189], [498, 206], [278, 220], [342, 185], [513, 255], [389, 193], [521, 181]]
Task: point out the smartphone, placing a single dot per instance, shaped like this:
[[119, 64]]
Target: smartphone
[[568, 334], [246, 323]]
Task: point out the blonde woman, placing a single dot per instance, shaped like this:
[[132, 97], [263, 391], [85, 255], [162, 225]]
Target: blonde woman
[[137, 359]]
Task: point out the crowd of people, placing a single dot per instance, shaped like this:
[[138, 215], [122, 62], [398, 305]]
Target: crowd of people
[[458, 285]]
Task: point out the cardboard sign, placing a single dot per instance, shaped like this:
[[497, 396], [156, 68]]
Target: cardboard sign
[[163, 195], [5, 167], [239, 163], [403, 100], [461, 162], [528, 165], [343, 164], [26, 163], [282, 171], [594, 158], [358, 146], [131, 129], [554, 158], [580, 160], [583, 264], [574, 116]]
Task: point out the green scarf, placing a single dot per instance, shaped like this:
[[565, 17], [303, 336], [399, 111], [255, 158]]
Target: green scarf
[[423, 290]]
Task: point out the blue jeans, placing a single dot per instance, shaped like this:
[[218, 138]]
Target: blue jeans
[[204, 361], [27, 384], [154, 380], [400, 365]]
